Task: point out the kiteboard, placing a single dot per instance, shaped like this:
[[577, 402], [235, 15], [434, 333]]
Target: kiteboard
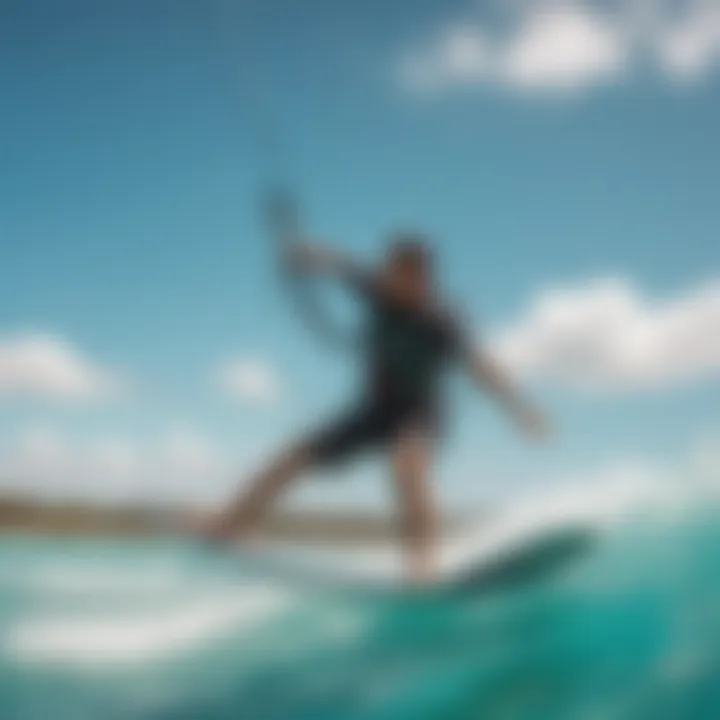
[[508, 546]]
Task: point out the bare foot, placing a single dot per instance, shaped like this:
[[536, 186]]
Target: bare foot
[[420, 572], [214, 528]]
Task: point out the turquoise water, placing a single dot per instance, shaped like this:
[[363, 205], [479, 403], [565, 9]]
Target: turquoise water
[[122, 629]]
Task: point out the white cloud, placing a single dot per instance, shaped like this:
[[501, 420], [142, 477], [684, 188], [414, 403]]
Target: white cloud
[[46, 366], [561, 45], [250, 380], [185, 452], [688, 49], [180, 464], [606, 335], [462, 55]]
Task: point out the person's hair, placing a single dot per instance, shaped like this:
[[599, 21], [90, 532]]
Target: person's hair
[[412, 249]]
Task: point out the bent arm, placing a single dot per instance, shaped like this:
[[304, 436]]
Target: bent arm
[[314, 258], [318, 259], [282, 219]]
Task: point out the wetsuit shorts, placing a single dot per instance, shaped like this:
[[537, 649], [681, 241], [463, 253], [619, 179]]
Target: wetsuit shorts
[[368, 427]]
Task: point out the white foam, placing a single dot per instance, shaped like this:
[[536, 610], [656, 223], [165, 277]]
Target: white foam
[[142, 637], [87, 579]]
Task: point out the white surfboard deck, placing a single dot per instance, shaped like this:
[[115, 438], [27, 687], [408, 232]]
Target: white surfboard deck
[[523, 539]]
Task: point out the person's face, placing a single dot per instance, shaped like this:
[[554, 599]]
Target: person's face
[[407, 281]]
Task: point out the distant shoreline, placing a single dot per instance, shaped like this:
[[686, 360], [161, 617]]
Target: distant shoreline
[[22, 514]]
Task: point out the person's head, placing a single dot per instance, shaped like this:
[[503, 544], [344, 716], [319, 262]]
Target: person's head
[[408, 268]]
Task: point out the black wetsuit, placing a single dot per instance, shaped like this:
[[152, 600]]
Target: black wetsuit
[[408, 350]]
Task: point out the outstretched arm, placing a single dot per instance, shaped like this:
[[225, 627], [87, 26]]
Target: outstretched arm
[[489, 376]]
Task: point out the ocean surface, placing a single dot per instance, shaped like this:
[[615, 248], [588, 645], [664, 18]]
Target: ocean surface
[[104, 630]]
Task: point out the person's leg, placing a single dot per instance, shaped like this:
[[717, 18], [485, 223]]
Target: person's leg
[[330, 444], [263, 489], [412, 459]]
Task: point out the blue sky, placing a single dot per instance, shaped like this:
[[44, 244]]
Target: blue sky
[[553, 151]]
